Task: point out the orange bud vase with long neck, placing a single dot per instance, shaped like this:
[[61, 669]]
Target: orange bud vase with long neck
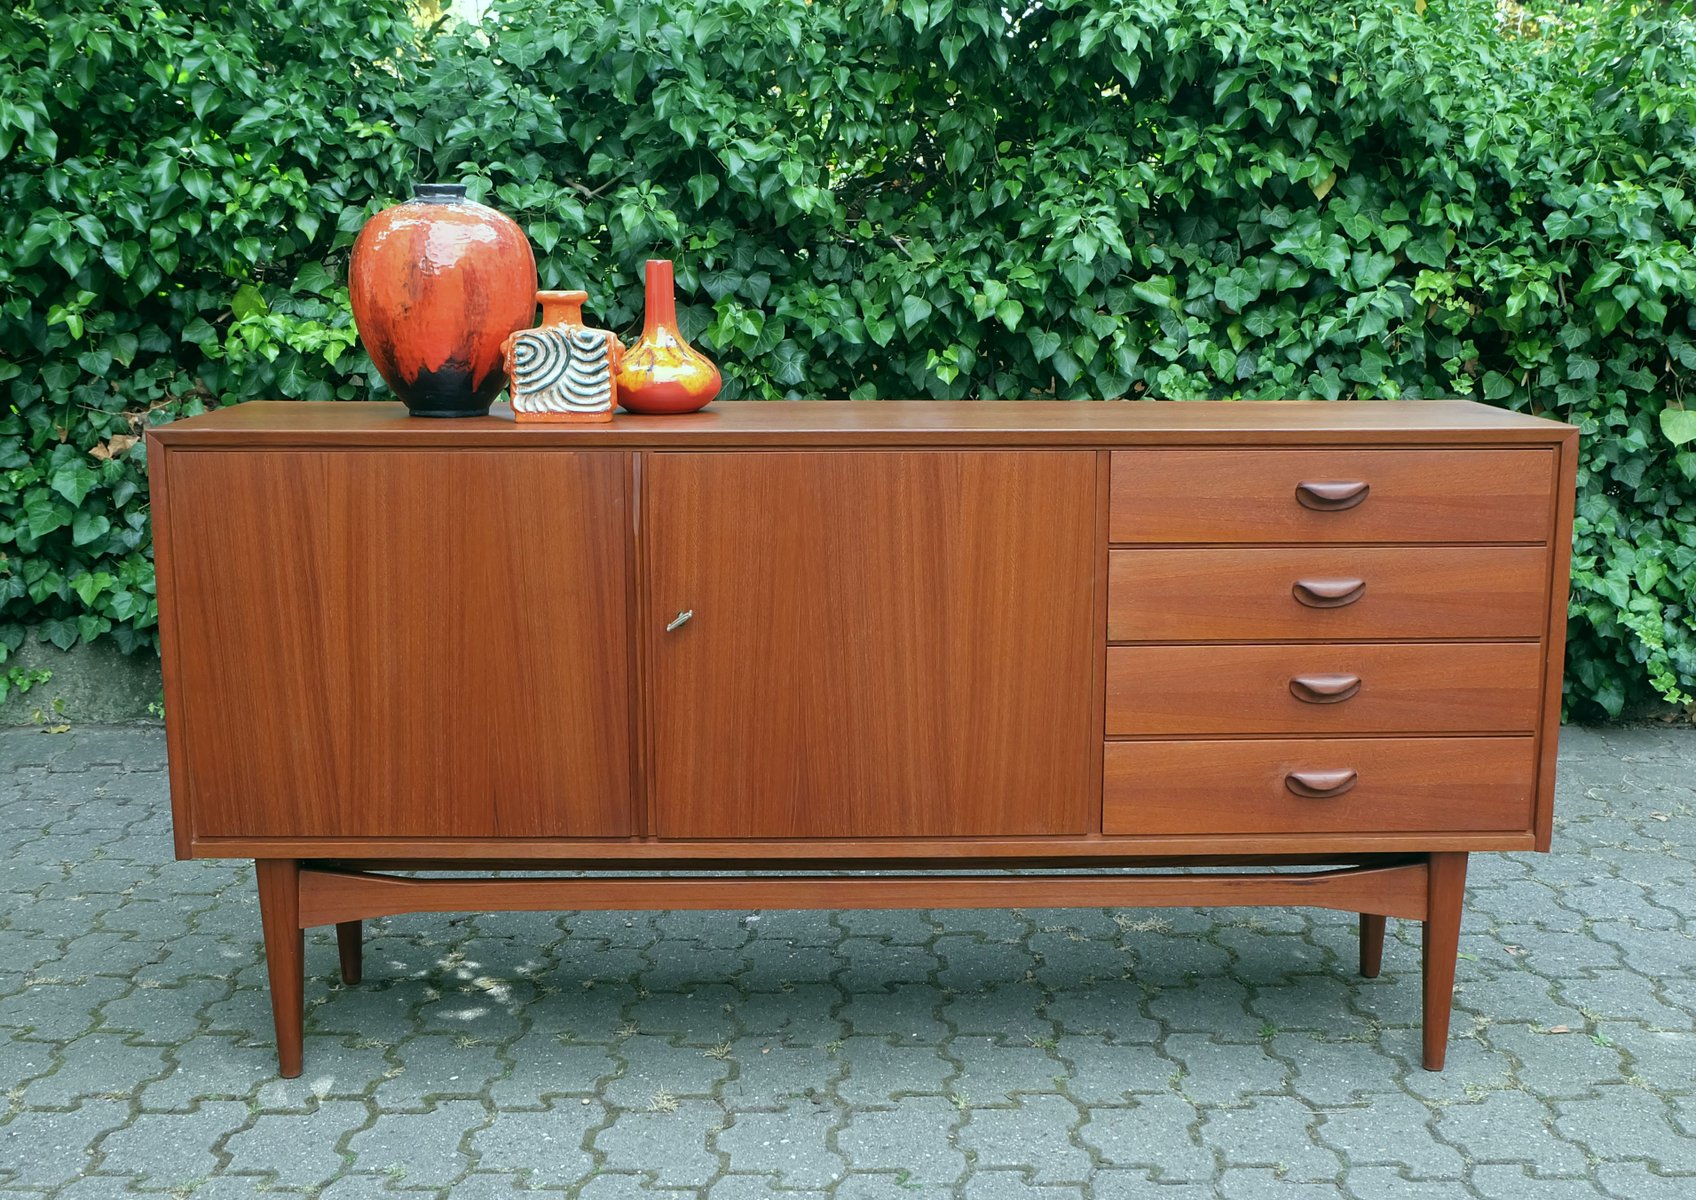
[[662, 373]]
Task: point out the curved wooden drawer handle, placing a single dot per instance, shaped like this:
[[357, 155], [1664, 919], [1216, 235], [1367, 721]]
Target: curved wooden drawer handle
[[1328, 593], [1320, 785], [1331, 497], [1324, 689]]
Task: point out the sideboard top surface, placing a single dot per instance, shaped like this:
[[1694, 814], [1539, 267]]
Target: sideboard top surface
[[852, 423]]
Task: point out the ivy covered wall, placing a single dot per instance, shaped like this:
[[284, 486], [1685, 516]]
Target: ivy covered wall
[[1080, 198]]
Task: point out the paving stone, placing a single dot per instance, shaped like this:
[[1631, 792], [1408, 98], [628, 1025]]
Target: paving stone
[[994, 1072], [1493, 1181], [167, 1016], [971, 962], [767, 1075], [1638, 1181], [658, 1066], [800, 926], [1034, 1136], [1392, 1183], [907, 1011], [431, 1067], [1504, 1127], [670, 1146], [1623, 1122], [792, 1145], [873, 963], [908, 927], [1663, 1059], [772, 965], [1216, 1007], [99, 1064], [1219, 1072], [885, 1185], [1139, 1185], [1113, 1007], [101, 1185], [1391, 1130], [420, 1149], [878, 1072], [915, 1135], [296, 1149], [1011, 1010], [804, 1014], [1334, 1071], [1158, 1134], [1104, 1071], [1275, 1132], [1015, 1185], [59, 1011], [622, 1186], [545, 1065], [1253, 1183], [548, 1146], [705, 927], [43, 1148], [481, 1185], [703, 1016], [166, 1150], [1070, 959], [210, 1066]]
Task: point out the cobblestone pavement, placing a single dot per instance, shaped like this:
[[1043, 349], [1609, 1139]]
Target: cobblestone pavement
[[1047, 1054]]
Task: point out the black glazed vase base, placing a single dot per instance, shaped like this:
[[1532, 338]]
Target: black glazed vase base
[[448, 392], [448, 412]]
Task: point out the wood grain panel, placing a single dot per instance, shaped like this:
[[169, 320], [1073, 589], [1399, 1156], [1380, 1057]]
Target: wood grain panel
[[1554, 641], [401, 644], [1400, 785], [920, 423], [1268, 593], [1167, 496], [333, 896], [883, 644], [1479, 687]]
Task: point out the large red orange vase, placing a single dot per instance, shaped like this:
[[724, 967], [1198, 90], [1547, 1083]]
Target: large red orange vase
[[437, 284], [662, 372]]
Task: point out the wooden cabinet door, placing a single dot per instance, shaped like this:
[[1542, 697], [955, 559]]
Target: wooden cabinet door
[[892, 644], [407, 643]]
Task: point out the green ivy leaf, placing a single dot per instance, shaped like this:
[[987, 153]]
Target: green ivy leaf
[[702, 188], [1679, 425], [314, 278], [1044, 343], [1158, 290], [72, 479]]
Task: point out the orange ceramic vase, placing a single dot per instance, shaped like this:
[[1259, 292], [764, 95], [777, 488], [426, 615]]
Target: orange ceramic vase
[[437, 284], [662, 373], [562, 371]]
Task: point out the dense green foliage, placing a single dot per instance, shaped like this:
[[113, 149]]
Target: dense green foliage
[[1087, 198]]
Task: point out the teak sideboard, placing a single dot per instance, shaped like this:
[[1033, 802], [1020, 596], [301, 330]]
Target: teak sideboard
[[1316, 644]]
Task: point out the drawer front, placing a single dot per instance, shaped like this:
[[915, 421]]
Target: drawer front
[[1481, 687], [1326, 593], [1169, 496], [1320, 785]]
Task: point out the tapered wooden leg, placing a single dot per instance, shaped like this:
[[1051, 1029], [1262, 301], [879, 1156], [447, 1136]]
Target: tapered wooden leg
[[285, 954], [349, 947], [1371, 945], [1445, 894]]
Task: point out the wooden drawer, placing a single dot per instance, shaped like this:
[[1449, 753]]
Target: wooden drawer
[[1481, 687], [1167, 496], [1319, 785], [1330, 593]]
